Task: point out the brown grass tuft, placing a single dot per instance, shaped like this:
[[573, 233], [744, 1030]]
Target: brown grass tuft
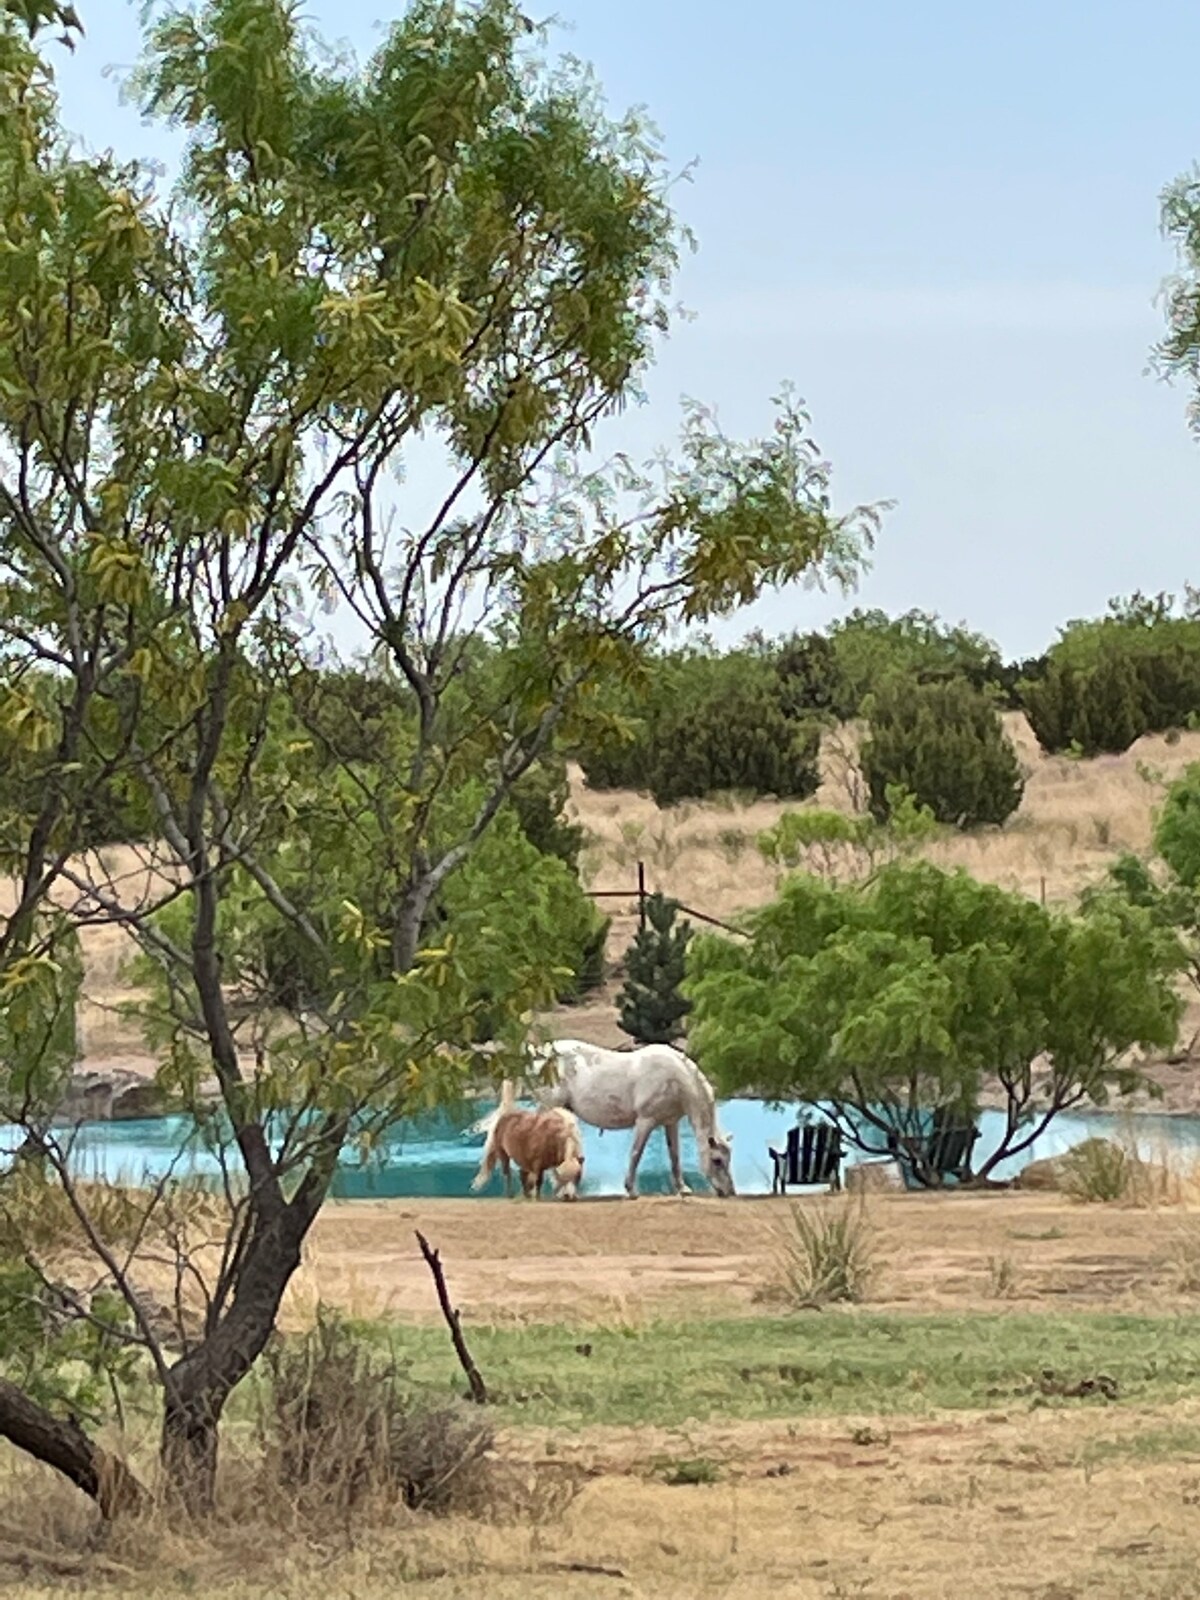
[[342, 1435]]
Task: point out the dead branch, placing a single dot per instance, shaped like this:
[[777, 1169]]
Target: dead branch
[[474, 1377]]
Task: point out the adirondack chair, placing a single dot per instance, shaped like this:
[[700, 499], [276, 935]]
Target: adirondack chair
[[945, 1150], [813, 1155]]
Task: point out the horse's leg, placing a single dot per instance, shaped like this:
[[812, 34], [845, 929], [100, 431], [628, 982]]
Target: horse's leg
[[506, 1168], [642, 1131], [671, 1129]]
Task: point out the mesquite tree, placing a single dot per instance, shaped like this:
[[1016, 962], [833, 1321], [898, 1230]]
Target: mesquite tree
[[887, 1000], [207, 401]]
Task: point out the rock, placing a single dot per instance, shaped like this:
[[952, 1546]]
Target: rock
[[138, 1100], [88, 1098], [1048, 1173], [115, 1095], [873, 1177]]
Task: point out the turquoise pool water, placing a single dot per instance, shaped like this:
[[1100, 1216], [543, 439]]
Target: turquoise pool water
[[433, 1156]]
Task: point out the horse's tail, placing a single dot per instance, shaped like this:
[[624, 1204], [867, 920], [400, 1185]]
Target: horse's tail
[[508, 1096], [488, 1164]]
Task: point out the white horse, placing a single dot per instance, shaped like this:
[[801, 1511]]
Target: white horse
[[654, 1087]]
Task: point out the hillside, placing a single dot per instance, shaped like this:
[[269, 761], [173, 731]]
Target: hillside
[[1074, 818]]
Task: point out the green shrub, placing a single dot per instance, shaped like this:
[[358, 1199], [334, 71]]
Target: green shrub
[[871, 650], [512, 910], [945, 745], [709, 723], [807, 667], [1108, 681], [738, 737], [1096, 1170], [1100, 708], [539, 799]]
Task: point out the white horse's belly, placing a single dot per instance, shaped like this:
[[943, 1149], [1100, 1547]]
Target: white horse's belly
[[616, 1113]]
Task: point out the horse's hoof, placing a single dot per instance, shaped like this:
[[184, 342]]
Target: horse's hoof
[[631, 1194], [683, 1190]]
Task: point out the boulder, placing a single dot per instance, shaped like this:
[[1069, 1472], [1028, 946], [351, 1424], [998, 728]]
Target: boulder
[[88, 1098], [873, 1177], [113, 1095], [137, 1100]]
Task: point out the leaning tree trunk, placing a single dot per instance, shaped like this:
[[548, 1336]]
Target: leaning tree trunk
[[64, 1446], [203, 1379]]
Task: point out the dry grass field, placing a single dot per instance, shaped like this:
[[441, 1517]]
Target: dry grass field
[[910, 1446], [621, 1262]]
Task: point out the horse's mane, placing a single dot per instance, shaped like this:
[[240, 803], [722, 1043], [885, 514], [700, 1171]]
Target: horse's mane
[[572, 1143], [706, 1100]]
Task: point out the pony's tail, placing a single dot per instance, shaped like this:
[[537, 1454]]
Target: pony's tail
[[486, 1165], [508, 1096]]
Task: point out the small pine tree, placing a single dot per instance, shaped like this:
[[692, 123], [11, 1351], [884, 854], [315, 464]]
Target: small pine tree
[[652, 1007]]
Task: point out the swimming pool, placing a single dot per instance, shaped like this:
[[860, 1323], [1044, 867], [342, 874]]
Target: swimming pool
[[433, 1156]]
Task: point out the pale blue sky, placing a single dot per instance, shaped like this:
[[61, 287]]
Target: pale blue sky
[[941, 222]]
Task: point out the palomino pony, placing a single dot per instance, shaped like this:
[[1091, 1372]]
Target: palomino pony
[[536, 1142], [654, 1087]]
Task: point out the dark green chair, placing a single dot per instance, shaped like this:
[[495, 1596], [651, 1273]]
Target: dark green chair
[[813, 1155]]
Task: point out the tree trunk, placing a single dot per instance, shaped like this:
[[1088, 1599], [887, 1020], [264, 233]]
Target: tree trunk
[[190, 1433], [203, 1379], [64, 1446]]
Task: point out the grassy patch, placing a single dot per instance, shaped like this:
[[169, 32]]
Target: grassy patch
[[1145, 1444], [667, 1373]]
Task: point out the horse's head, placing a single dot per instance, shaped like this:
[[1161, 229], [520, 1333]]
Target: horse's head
[[717, 1161], [568, 1176]]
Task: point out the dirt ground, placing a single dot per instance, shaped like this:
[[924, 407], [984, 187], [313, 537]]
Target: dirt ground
[[1058, 1507], [1096, 1504], [1053, 1505], [528, 1261]]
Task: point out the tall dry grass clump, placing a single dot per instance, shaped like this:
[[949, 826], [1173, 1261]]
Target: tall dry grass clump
[[824, 1253], [1130, 1172], [1096, 1170], [341, 1450], [37, 1214], [341, 1434], [341, 1430], [1183, 1260]]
